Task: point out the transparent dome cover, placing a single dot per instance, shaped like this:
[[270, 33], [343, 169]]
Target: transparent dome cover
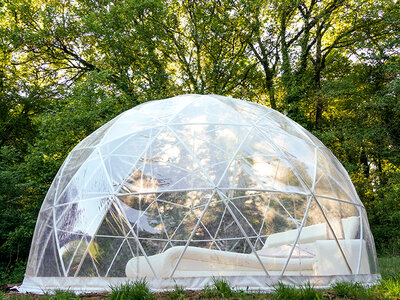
[[189, 188]]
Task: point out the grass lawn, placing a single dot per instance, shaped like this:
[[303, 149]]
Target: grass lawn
[[388, 288], [389, 266]]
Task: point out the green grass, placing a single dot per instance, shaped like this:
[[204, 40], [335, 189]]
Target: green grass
[[388, 288], [389, 266], [178, 293], [346, 289], [305, 292], [219, 289], [134, 291], [63, 295], [58, 295]]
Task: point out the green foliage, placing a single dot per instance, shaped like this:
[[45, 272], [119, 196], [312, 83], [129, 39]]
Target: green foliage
[[139, 290], [346, 289], [68, 67], [63, 295], [286, 292], [388, 288], [178, 293], [220, 288], [389, 266]]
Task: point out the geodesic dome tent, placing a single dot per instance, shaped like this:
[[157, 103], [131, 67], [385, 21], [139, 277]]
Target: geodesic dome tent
[[182, 190]]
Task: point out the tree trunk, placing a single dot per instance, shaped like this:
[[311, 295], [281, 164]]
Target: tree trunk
[[317, 81]]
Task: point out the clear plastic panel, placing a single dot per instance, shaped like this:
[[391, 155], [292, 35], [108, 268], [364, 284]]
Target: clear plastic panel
[[213, 146], [222, 227], [130, 123], [167, 109], [39, 245], [166, 165], [104, 252], [251, 111], [299, 154], [126, 251], [50, 264], [206, 110], [262, 173], [340, 172], [329, 181], [95, 138], [72, 249], [275, 121], [72, 165], [90, 181], [250, 212], [369, 247], [88, 266]]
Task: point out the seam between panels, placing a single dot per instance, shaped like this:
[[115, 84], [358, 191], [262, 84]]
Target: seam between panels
[[312, 195], [222, 189]]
